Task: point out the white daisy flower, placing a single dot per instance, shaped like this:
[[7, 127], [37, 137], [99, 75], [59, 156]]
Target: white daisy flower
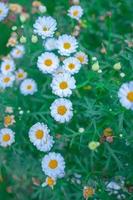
[[39, 136], [71, 65], [6, 80], [20, 74], [82, 57], [66, 44], [75, 12], [45, 26], [58, 71], [46, 146], [50, 44], [61, 110], [28, 87], [125, 95], [47, 62], [50, 181], [3, 10], [53, 165], [18, 51], [63, 84], [6, 137], [7, 66]]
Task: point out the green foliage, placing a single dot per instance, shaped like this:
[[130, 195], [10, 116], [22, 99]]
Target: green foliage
[[94, 109]]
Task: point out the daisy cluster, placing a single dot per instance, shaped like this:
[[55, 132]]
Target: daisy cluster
[[61, 60], [53, 164], [9, 74]]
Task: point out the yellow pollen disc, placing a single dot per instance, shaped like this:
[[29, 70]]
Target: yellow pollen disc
[[29, 87], [50, 181], [6, 80], [7, 120], [67, 45], [130, 96], [63, 85], [39, 134], [48, 62], [71, 66], [45, 29], [7, 67], [18, 52], [6, 137], [1, 11], [20, 75], [75, 13], [81, 59], [61, 110], [53, 164]]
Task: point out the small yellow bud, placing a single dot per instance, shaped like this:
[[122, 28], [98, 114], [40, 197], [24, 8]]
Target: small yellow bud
[[34, 39], [95, 66], [22, 18], [93, 145], [23, 39], [117, 66], [14, 28]]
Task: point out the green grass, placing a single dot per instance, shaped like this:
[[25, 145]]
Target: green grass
[[94, 109]]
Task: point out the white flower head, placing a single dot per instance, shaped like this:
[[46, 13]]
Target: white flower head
[[45, 26], [63, 84], [3, 11], [6, 80], [71, 65], [7, 66], [20, 74], [39, 136], [6, 137], [50, 181], [53, 165], [58, 71], [18, 51], [66, 44], [125, 95], [61, 110], [75, 12], [47, 62], [50, 44], [28, 87], [82, 57]]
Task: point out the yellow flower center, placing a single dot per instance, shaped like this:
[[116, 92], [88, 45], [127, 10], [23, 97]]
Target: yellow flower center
[[75, 13], [39, 134], [45, 29], [63, 85], [6, 137], [71, 66], [130, 96], [29, 87], [67, 45], [50, 181], [18, 51], [1, 11], [53, 164], [61, 110], [7, 67], [88, 192], [20, 75], [6, 80], [7, 120], [81, 59], [48, 62]]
